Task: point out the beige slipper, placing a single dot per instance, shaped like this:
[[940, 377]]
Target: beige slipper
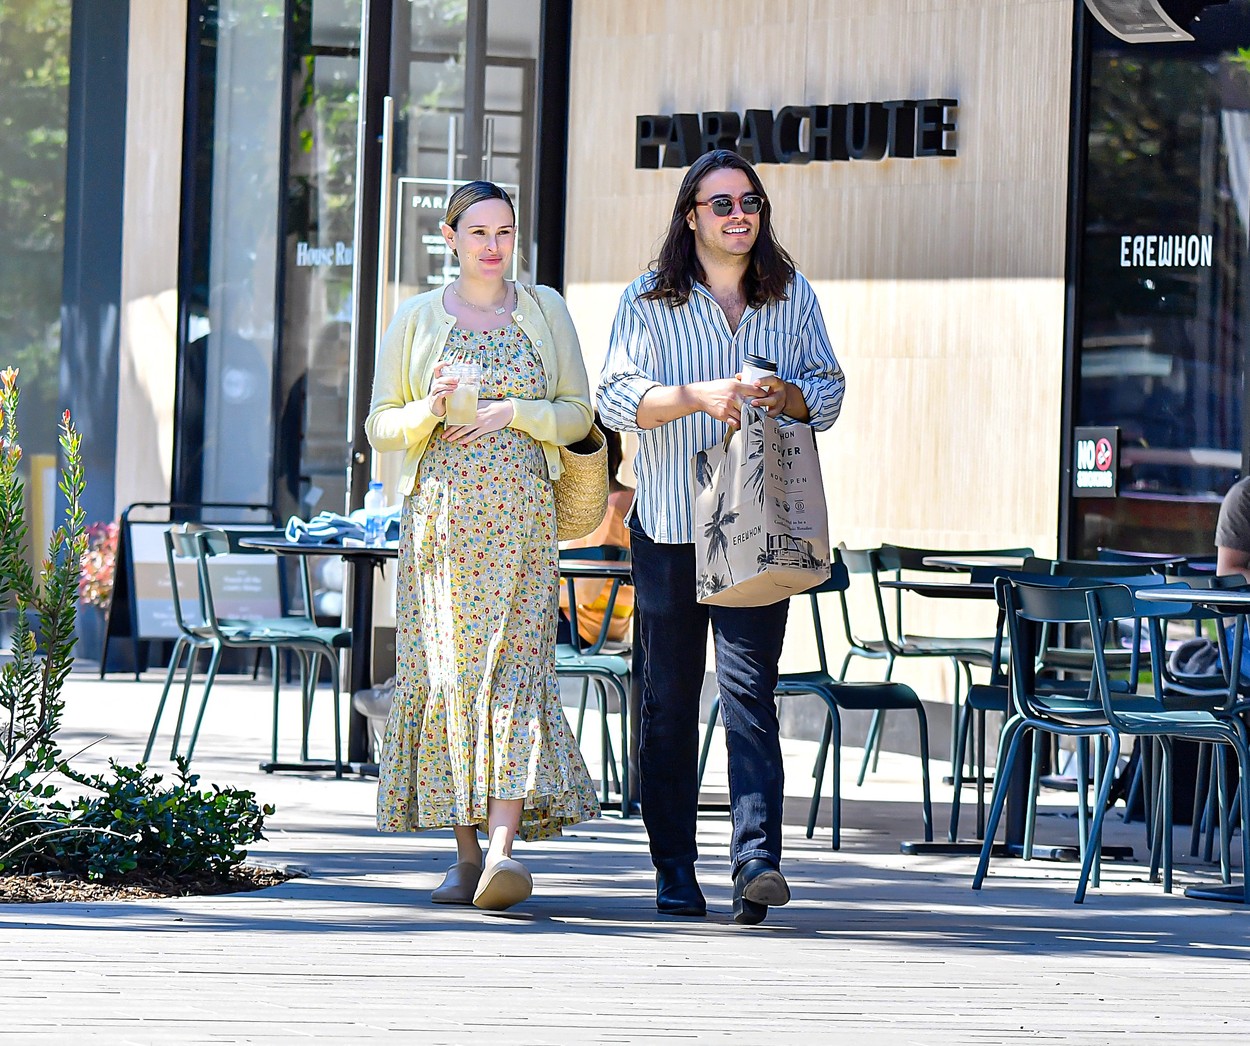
[[458, 884], [504, 883]]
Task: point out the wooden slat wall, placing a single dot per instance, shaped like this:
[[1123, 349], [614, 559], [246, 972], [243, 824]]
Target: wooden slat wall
[[941, 280]]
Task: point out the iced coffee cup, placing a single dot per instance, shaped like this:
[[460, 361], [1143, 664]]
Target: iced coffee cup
[[462, 400]]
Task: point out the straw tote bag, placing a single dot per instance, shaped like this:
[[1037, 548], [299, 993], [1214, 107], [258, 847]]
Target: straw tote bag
[[582, 489]]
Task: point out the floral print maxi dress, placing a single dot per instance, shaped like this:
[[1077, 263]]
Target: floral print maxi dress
[[477, 705]]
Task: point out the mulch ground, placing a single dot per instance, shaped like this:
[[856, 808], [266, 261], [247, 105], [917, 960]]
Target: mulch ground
[[40, 889]]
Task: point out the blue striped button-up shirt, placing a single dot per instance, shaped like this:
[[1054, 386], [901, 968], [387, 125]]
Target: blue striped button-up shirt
[[655, 344]]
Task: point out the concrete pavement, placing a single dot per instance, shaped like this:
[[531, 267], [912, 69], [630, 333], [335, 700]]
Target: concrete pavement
[[876, 946]]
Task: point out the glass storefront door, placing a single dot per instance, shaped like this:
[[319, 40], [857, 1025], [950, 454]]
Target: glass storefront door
[[462, 83], [324, 71], [464, 90], [1165, 281], [35, 60]]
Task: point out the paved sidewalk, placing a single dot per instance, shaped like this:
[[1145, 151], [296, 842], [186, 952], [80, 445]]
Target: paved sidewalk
[[875, 944]]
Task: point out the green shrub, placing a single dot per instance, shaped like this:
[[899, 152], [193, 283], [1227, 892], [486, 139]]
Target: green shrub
[[127, 821], [137, 823]]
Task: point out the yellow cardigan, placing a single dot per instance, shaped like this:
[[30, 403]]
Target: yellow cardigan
[[400, 417]]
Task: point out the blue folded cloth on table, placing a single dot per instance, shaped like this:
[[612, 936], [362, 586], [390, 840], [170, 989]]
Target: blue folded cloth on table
[[323, 528], [331, 528]]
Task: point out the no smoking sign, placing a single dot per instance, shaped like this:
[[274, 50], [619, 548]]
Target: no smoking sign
[[1096, 459]]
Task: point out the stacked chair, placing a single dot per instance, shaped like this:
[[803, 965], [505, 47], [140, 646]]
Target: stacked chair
[[1189, 690]]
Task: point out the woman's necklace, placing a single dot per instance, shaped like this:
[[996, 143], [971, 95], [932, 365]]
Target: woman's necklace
[[478, 308]]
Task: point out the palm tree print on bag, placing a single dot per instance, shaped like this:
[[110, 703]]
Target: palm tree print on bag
[[710, 584], [755, 452], [718, 544], [702, 470]]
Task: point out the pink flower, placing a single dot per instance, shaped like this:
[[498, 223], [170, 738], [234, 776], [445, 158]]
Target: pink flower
[[95, 581]]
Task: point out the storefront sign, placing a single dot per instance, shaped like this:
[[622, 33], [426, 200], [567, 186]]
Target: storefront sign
[[904, 128], [1165, 251], [1097, 462], [309, 255]]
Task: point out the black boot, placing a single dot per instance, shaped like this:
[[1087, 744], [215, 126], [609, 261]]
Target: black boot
[[757, 885], [677, 891]]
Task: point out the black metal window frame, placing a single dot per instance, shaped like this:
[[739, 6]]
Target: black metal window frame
[[1078, 148]]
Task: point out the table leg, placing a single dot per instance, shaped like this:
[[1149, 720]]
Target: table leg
[[1015, 813], [359, 676], [360, 668]]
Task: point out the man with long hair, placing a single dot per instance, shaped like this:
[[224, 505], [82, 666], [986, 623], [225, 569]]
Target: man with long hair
[[721, 288]]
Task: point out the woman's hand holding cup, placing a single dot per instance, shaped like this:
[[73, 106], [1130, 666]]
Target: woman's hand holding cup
[[462, 402], [492, 415], [441, 387]]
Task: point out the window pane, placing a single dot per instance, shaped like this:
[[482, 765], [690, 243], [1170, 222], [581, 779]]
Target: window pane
[[321, 199], [231, 327], [1166, 278], [34, 91]]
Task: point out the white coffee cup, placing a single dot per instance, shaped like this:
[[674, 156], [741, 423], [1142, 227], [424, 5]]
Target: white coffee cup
[[756, 367]]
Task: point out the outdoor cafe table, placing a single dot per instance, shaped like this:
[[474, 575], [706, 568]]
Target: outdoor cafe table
[[972, 560], [364, 561], [611, 570], [1014, 815], [1229, 603], [945, 589]]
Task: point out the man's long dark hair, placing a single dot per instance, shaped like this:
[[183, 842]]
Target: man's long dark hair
[[677, 268]]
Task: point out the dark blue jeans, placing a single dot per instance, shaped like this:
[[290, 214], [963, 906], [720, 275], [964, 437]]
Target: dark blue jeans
[[747, 641]]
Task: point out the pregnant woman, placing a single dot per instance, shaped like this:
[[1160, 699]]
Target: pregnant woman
[[476, 739]]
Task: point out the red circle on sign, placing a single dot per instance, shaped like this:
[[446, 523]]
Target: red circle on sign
[[1102, 455]]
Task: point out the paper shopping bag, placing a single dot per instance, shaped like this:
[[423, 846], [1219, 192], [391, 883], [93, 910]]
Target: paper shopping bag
[[761, 531]]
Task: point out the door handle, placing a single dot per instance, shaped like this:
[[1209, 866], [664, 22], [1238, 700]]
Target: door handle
[[386, 207]]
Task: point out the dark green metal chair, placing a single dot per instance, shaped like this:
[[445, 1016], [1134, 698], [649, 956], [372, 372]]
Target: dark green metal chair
[[1104, 711], [896, 641], [241, 603], [606, 666], [837, 696]]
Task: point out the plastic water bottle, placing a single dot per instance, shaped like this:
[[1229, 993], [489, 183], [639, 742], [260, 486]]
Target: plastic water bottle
[[375, 511]]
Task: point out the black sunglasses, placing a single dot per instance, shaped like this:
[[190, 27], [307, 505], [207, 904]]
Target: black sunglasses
[[722, 206]]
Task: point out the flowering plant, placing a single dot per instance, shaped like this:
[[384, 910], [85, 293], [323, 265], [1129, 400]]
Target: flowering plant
[[31, 679], [134, 823], [95, 584]]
